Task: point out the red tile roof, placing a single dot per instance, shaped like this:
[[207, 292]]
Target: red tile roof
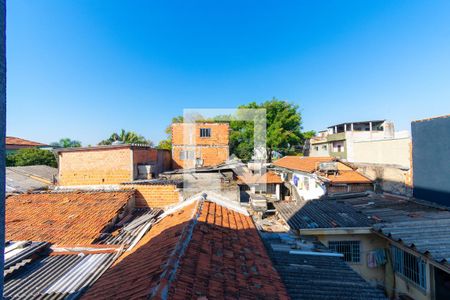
[[348, 177], [301, 163], [70, 218], [201, 251], [11, 140], [268, 177]]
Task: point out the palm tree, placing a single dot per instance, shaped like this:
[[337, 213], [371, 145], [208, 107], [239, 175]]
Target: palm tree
[[126, 137]]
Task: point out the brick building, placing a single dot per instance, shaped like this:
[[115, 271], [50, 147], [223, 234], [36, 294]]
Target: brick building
[[113, 164], [199, 144]]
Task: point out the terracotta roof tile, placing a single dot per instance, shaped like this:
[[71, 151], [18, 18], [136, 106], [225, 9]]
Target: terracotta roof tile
[[301, 163], [203, 251], [11, 140], [62, 218], [348, 177]]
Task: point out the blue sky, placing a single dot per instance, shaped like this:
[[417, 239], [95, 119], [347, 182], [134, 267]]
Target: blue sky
[[84, 69]]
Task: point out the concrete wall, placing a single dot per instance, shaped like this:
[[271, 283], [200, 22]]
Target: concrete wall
[[320, 151], [2, 134], [388, 178], [315, 189], [388, 151], [431, 159]]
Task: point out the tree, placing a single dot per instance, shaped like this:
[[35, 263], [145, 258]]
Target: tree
[[66, 143], [30, 157], [167, 143], [283, 129], [126, 137]]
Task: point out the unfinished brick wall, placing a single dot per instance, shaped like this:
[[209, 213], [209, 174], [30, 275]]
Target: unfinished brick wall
[[97, 166], [212, 150], [151, 195]]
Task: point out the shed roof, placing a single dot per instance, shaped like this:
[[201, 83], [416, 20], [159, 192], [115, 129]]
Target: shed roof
[[420, 225], [198, 249], [320, 214], [318, 277], [63, 218]]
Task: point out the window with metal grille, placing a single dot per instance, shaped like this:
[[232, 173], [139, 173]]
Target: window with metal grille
[[205, 132], [410, 266], [350, 250]]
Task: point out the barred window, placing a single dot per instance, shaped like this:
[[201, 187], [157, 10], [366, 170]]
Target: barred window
[[350, 249], [205, 132], [409, 266]]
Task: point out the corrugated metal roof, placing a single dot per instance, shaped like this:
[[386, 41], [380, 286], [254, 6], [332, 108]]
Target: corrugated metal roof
[[320, 214], [317, 276], [419, 225], [428, 237], [57, 276]]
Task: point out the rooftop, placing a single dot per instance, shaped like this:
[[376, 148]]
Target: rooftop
[[358, 122], [105, 147], [349, 176], [29, 178], [320, 214], [301, 163], [419, 225], [15, 141], [63, 218], [313, 275], [199, 249]]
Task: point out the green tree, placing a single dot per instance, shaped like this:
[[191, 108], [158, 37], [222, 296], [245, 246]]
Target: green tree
[[167, 143], [283, 129], [30, 157], [126, 137], [66, 143]]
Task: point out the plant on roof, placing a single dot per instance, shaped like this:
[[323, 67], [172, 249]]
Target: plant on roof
[[66, 143], [126, 137], [31, 157]]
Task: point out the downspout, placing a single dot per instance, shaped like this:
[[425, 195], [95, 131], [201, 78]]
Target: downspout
[[2, 135]]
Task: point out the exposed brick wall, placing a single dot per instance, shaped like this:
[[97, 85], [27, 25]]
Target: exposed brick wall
[[150, 195], [105, 166], [144, 156], [213, 150], [219, 134]]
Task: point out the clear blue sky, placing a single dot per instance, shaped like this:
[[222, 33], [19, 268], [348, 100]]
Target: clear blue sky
[[84, 69]]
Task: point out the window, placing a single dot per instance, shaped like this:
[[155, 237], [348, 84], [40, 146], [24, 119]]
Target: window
[[350, 249], [185, 155], [324, 147], [409, 266], [339, 148], [316, 148], [306, 183], [205, 132]]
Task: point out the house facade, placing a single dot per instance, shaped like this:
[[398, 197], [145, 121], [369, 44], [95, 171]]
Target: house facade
[[314, 177], [199, 144], [363, 142]]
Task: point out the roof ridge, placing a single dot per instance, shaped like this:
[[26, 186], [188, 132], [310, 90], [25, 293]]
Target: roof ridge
[[171, 266]]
